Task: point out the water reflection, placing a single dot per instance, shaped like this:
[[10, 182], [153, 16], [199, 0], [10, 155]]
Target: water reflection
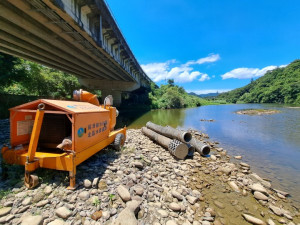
[[174, 117], [270, 143]]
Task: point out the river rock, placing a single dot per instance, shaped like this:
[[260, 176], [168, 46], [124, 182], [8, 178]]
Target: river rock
[[213, 157], [233, 185], [260, 196], [26, 201], [32, 220], [126, 217], [238, 157], [2, 219], [176, 194], [39, 196], [253, 220], [171, 222], [8, 204], [102, 185], [57, 222], [4, 211], [123, 193], [84, 195], [276, 210], [155, 159], [270, 222], [244, 165], [139, 190], [138, 164], [191, 199], [63, 212], [258, 187], [226, 170], [96, 215], [281, 192], [105, 215], [87, 183], [134, 206], [205, 222], [48, 190], [132, 176], [219, 204], [42, 203], [163, 213], [175, 207], [95, 182]]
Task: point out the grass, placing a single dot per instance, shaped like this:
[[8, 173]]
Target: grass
[[111, 198], [4, 193], [96, 202]]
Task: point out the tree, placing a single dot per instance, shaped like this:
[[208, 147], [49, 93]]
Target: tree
[[9, 70], [171, 82]]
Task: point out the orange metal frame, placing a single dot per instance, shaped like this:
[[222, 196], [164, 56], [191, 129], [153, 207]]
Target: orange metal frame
[[66, 161]]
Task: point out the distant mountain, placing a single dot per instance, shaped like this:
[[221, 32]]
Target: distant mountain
[[281, 85], [205, 95]]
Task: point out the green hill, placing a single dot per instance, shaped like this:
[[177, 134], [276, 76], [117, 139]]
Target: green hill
[[281, 85]]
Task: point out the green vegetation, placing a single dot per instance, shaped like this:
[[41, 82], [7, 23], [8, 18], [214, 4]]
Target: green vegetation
[[23, 81], [21, 77], [111, 198], [281, 85], [96, 201], [4, 193], [172, 96]]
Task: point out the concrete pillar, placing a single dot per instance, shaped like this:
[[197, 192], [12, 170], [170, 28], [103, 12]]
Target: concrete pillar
[[116, 96]]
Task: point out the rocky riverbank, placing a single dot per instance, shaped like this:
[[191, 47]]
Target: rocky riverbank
[[144, 184]]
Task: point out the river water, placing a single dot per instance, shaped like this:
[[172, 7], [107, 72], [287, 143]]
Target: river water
[[269, 143]]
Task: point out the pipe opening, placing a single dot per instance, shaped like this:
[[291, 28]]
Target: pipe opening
[[191, 150], [187, 137], [205, 150]]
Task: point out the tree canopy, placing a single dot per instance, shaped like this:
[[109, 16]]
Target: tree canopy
[[22, 77], [281, 85]]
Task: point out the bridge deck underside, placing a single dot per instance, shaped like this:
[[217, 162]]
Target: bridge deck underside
[[31, 30]]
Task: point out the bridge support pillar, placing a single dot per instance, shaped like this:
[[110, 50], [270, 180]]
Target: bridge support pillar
[[116, 96]]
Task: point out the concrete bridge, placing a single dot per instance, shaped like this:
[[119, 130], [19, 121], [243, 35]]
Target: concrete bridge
[[79, 37]]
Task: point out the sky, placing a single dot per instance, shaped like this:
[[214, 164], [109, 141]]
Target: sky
[[210, 46]]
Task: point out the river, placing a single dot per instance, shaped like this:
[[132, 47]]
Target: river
[[269, 143]]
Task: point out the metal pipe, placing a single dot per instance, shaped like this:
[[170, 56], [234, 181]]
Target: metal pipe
[[85, 96], [202, 148], [170, 132], [191, 150], [175, 147]]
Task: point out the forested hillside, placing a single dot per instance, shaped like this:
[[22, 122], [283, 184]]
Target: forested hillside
[[281, 85]]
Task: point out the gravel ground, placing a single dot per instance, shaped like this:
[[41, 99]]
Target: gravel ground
[[144, 184]]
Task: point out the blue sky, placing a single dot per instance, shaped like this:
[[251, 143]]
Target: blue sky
[[208, 46]]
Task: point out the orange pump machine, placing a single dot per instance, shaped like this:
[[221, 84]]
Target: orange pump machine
[[38, 127]]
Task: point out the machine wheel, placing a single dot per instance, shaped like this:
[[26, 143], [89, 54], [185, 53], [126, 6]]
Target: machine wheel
[[119, 141], [31, 181]]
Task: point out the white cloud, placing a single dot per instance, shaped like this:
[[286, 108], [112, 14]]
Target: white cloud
[[246, 73], [209, 59], [204, 77], [182, 73], [207, 91]]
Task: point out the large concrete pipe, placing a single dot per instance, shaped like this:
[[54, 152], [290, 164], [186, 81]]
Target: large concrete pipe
[[202, 148], [191, 150], [176, 148], [170, 132]]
